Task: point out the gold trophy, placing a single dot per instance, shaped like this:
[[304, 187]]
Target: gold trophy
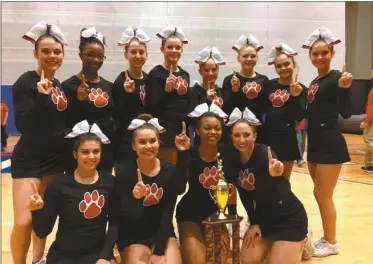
[[221, 192]]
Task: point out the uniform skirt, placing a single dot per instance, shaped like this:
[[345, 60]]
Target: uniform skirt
[[56, 257], [284, 221], [284, 143], [326, 145]]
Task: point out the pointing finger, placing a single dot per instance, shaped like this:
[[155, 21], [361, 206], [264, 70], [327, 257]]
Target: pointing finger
[[139, 176], [42, 75], [270, 158], [184, 128]]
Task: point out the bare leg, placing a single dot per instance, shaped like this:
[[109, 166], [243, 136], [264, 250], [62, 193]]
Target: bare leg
[[172, 253], [286, 252], [20, 238], [312, 170], [193, 250], [136, 254], [256, 254], [288, 167]]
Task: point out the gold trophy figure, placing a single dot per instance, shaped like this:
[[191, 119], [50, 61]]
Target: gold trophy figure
[[221, 192]]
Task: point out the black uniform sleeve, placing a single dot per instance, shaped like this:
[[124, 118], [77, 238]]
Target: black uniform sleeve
[[180, 175], [43, 220], [112, 232], [155, 86], [229, 97], [298, 104], [251, 212], [74, 113], [344, 102], [26, 105]]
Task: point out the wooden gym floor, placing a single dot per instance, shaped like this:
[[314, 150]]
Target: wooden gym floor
[[353, 198]]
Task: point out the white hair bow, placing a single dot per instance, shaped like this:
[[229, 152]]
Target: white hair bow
[[210, 52], [83, 127], [203, 108], [135, 123], [250, 40], [171, 30], [246, 114], [43, 28], [321, 33], [130, 33], [92, 32], [275, 51]]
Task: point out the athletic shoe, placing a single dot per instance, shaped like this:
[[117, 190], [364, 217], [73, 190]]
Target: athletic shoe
[[323, 249], [308, 249]]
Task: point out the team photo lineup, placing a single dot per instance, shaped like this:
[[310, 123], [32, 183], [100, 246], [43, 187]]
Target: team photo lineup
[[109, 158]]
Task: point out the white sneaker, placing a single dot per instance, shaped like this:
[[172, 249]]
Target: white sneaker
[[308, 249], [323, 249], [244, 230]]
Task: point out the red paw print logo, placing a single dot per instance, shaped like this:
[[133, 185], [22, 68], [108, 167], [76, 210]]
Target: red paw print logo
[[181, 86], [251, 89], [92, 204], [98, 97], [59, 99], [209, 177], [279, 97], [312, 92], [218, 101], [246, 180], [142, 93], [154, 195]]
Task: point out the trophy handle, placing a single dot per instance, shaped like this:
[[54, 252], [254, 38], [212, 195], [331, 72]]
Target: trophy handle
[[212, 194], [230, 189]]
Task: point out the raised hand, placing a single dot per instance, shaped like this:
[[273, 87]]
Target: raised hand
[[83, 91], [295, 87], [171, 81], [235, 82], [182, 141], [35, 202], [44, 85], [276, 167], [140, 190], [253, 234], [346, 79], [129, 85], [210, 91]]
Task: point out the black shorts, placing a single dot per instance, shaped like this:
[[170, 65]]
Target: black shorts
[[130, 240]]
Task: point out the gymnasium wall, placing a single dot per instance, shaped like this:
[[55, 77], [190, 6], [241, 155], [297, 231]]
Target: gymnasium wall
[[204, 23]]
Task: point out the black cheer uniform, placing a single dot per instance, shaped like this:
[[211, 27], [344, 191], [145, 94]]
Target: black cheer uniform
[[278, 212], [148, 221], [251, 95], [41, 120], [197, 204], [326, 144], [170, 108], [283, 111], [83, 216], [97, 108], [127, 107]]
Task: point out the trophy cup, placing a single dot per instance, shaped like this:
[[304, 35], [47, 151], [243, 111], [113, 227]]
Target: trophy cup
[[221, 192]]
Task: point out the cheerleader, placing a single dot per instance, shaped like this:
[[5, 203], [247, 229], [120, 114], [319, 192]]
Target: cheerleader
[[328, 97], [81, 201], [278, 221], [91, 95], [166, 90], [202, 175], [129, 90], [209, 60], [246, 88], [39, 106], [286, 99], [146, 189]]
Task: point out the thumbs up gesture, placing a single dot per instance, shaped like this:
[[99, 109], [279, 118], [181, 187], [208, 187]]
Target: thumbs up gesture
[[35, 202], [276, 167], [346, 79], [171, 81], [83, 90], [140, 189], [129, 85], [44, 85], [295, 87], [235, 82], [182, 141]]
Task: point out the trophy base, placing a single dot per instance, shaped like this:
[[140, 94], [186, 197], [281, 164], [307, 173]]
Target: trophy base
[[221, 216]]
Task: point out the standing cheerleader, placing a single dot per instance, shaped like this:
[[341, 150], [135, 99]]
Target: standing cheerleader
[[203, 174], [146, 189], [91, 95], [39, 106], [129, 91], [246, 88], [209, 60], [166, 90], [278, 220], [81, 201], [286, 104], [328, 97]]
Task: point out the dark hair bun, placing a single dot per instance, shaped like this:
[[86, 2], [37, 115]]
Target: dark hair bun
[[146, 117]]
